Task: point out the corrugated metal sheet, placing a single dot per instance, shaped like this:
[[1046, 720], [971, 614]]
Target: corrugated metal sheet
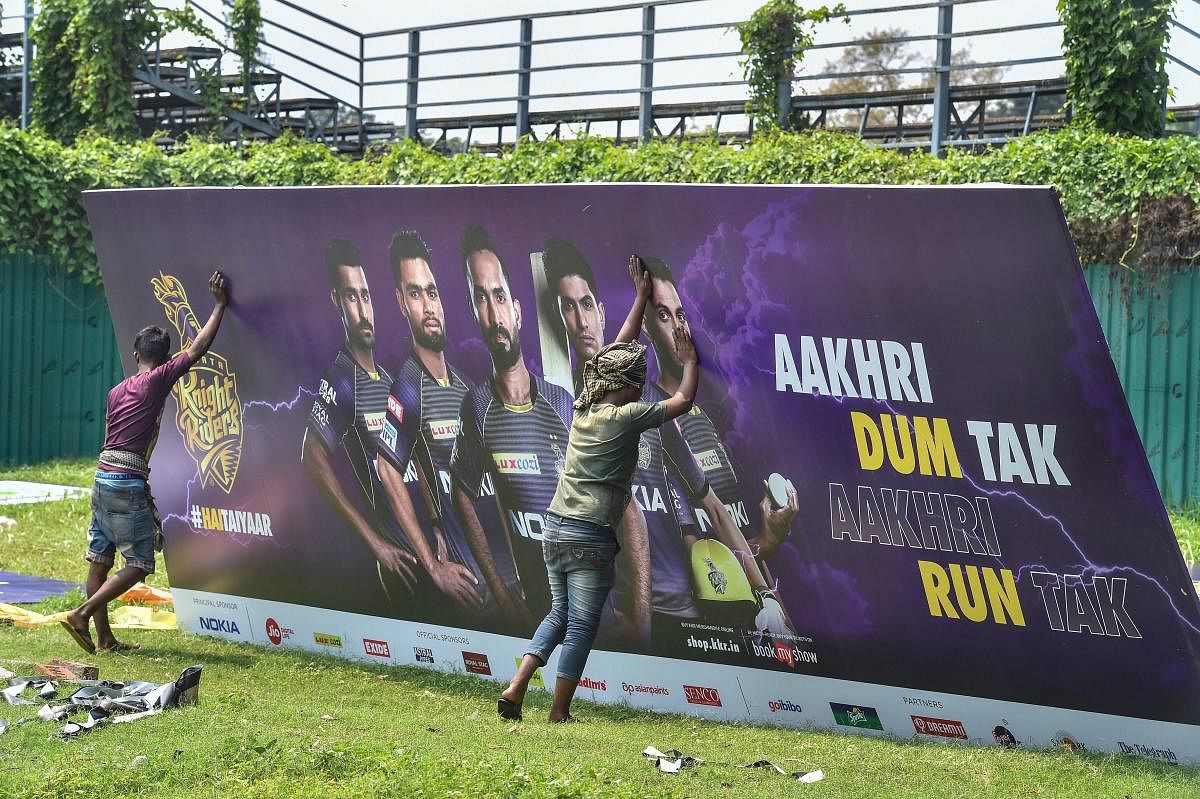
[[58, 358], [1156, 348]]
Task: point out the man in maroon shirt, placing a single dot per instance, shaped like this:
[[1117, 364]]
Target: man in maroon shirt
[[123, 516]]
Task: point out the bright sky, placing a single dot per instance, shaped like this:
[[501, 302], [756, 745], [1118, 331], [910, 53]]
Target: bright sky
[[376, 15]]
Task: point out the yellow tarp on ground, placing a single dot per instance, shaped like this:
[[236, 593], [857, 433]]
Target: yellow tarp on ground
[[126, 617]]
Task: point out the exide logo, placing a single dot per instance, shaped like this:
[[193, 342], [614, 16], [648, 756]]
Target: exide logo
[[274, 634], [215, 625], [697, 695], [376, 648]]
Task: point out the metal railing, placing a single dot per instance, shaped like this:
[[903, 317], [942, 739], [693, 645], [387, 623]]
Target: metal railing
[[390, 70], [661, 50]]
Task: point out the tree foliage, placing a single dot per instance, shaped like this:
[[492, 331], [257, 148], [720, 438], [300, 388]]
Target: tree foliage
[[88, 51], [773, 43], [883, 53], [245, 24], [1116, 59], [1127, 200]]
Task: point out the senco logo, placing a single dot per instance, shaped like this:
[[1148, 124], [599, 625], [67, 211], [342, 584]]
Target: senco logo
[[477, 663], [708, 460], [422, 654], [776, 705], [325, 639], [593, 685], [379, 649], [443, 429], [697, 695], [214, 625], [274, 632], [516, 462], [943, 728]]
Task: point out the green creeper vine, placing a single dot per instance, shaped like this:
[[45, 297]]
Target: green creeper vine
[[88, 51], [773, 42], [245, 23], [1116, 59]]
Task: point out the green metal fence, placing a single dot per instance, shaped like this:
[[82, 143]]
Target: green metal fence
[[1156, 348], [58, 358]]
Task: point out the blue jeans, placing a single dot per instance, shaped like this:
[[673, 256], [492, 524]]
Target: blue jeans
[[121, 519], [579, 562]]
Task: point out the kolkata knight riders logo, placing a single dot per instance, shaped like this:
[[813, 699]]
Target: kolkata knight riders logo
[[208, 412]]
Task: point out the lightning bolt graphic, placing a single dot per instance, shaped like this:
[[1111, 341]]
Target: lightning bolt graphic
[[273, 407]]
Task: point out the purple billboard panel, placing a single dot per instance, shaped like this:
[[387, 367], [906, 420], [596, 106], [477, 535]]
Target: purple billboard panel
[[910, 499]]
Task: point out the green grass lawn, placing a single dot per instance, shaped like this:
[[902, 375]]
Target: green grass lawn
[[289, 724]]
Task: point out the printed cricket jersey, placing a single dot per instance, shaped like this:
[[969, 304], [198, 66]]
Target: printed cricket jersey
[[422, 423], [710, 455], [349, 413], [523, 450], [661, 491]]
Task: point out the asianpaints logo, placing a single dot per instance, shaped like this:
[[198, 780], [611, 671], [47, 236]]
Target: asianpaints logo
[[656, 690]]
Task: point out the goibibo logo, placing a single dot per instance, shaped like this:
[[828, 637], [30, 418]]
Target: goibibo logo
[[379, 649], [477, 663], [943, 728], [777, 705], [698, 695], [214, 625]]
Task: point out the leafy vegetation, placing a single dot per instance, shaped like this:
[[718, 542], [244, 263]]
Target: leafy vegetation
[[1116, 58], [1129, 201], [773, 42]]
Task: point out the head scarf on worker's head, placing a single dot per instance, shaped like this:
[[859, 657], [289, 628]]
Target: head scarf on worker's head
[[614, 367]]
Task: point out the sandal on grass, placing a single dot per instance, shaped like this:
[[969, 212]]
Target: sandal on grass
[[508, 710], [119, 647], [81, 637]]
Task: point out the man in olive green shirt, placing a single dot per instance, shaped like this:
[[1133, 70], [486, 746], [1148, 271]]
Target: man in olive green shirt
[[579, 542]]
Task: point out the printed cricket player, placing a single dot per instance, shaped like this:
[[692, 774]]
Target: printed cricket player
[[662, 315], [515, 428], [348, 414], [668, 479], [421, 425]]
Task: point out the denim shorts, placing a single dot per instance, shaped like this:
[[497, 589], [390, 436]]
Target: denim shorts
[[122, 519]]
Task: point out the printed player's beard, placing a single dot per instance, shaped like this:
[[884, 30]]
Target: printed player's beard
[[430, 341], [503, 358]]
